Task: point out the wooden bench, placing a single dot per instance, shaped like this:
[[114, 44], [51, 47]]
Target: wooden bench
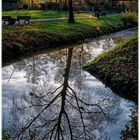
[[6, 19], [25, 19], [99, 14], [103, 14]]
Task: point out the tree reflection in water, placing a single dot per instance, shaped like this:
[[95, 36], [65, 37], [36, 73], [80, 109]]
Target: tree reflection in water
[[65, 112]]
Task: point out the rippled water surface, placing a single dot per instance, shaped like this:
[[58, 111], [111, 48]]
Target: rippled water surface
[[83, 107]]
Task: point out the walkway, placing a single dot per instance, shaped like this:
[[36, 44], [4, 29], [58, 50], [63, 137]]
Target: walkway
[[57, 19]]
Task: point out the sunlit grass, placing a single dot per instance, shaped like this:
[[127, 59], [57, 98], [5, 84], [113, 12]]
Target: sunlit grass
[[63, 26], [38, 14]]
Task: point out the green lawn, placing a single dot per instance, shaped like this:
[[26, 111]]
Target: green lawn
[[38, 14], [81, 26]]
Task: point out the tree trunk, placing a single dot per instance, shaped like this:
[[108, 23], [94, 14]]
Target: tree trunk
[[71, 14], [32, 3]]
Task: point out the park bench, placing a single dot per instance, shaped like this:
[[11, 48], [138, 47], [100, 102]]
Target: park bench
[[6, 19], [25, 19], [99, 14], [103, 14]]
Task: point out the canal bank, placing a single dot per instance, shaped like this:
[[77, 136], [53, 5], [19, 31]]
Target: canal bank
[[118, 69], [25, 40]]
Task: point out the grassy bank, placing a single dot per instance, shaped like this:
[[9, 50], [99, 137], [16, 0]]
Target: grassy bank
[[39, 14], [118, 69], [23, 40]]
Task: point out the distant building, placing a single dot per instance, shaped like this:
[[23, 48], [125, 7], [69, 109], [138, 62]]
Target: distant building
[[9, 4]]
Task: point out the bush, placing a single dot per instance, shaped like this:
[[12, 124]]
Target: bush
[[129, 18], [5, 135]]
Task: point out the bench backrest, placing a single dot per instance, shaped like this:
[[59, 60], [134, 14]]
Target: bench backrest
[[23, 17]]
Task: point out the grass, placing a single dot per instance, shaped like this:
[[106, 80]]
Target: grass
[[118, 68], [22, 40], [62, 27], [41, 14]]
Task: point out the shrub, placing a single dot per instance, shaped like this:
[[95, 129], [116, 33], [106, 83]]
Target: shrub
[[129, 18], [5, 135]]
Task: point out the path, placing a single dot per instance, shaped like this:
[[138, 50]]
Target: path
[[57, 19]]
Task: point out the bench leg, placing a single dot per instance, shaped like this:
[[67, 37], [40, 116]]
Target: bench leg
[[8, 22], [27, 21]]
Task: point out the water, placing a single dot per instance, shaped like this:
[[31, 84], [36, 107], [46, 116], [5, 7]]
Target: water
[[26, 83]]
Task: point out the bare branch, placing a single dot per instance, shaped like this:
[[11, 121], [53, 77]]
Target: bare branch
[[69, 124], [13, 70], [47, 93], [82, 120], [25, 128]]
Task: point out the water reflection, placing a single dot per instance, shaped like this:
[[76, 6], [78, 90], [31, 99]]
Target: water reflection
[[57, 100], [66, 111]]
